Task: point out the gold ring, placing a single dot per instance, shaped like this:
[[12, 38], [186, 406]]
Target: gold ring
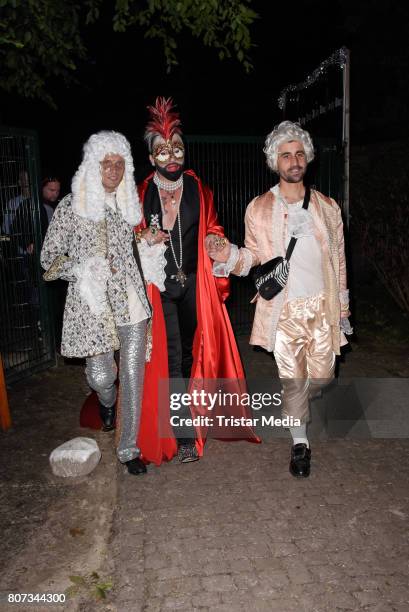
[[220, 243]]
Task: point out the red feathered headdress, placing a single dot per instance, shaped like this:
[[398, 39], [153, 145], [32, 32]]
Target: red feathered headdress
[[164, 122]]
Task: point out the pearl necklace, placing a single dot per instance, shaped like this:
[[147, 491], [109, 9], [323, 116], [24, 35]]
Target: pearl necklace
[[173, 186], [180, 276]]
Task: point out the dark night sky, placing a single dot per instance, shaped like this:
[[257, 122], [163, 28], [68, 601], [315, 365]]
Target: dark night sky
[[123, 73]]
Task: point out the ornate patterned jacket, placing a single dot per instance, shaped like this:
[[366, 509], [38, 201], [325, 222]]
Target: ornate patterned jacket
[[72, 240]]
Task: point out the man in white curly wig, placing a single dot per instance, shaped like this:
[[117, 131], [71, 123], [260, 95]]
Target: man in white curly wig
[[303, 314], [90, 243]]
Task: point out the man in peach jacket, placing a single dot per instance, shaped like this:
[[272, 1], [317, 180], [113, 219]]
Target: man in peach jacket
[[304, 324]]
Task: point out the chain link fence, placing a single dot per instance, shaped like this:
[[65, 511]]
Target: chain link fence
[[26, 336]]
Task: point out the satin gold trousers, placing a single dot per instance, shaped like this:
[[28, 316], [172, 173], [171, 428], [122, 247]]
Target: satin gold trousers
[[101, 374], [303, 353]]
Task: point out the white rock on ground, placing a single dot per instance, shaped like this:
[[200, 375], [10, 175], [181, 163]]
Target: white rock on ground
[[77, 457]]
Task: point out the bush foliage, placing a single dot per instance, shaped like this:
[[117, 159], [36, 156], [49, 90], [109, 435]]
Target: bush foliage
[[380, 214]]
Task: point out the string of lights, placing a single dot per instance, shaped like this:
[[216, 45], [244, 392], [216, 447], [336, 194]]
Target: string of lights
[[339, 58]]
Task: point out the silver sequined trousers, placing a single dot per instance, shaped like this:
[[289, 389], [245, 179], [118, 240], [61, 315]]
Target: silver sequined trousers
[[101, 375]]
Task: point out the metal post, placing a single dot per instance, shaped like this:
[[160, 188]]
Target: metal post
[[346, 133]]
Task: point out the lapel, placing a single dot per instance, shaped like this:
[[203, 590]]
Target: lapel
[[270, 224], [278, 224], [319, 223]]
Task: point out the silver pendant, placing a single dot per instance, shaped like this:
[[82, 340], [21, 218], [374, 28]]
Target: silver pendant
[[180, 277]]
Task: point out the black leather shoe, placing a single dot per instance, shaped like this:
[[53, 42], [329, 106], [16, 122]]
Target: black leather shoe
[[136, 466], [300, 461], [107, 417]]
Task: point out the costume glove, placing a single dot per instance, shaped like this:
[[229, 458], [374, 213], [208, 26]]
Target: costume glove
[[346, 326]]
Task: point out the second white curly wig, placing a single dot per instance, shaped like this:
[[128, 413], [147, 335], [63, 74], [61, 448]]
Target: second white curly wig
[[88, 194], [286, 131]]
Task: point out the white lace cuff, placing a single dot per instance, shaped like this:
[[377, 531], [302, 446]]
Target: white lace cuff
[[246, 262], [153, 263], [344, 297], [222, 270], [92, 277]]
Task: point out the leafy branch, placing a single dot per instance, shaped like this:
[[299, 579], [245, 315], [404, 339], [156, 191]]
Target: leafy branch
[[43, 39]]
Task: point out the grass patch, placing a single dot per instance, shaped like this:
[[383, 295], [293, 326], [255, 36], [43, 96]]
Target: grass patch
[[90, 585]]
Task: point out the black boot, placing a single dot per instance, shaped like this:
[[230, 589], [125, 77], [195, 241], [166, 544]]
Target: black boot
[[107, 417], [136, 466], [300, 463]]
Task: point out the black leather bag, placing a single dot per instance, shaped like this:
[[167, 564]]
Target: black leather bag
[[271, 277]]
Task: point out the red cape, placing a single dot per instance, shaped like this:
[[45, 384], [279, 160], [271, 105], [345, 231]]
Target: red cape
[[215, 352]]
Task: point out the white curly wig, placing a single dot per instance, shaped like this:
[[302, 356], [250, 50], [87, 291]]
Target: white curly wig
[[87, 190], [286, 131]]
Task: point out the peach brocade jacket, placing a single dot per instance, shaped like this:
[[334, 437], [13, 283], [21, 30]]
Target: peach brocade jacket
[[266, 228]]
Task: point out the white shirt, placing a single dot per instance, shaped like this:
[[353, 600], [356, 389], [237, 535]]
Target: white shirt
[[49, 210], [305, 277]]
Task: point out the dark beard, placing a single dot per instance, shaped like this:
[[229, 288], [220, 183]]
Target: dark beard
[[171, 176], [288, 178]]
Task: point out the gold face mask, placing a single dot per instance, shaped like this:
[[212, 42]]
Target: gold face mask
[[164, 151]]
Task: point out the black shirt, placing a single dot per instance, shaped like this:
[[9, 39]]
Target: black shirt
[[189, 213]]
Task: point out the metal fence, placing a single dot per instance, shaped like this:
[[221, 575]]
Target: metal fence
[[236, 170], [26, 336]]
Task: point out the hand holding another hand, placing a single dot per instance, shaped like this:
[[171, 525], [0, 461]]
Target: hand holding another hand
[[217, 247], [154, 235]]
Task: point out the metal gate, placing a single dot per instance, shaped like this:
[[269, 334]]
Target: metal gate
[[26, 336], [326, 172], [235, 169]]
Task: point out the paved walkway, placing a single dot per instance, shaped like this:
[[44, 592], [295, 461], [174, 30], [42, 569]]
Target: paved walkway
[[237, 532], [232, 532]]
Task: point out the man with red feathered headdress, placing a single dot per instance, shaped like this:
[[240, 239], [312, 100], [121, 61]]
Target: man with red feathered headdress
[[192, 335]]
